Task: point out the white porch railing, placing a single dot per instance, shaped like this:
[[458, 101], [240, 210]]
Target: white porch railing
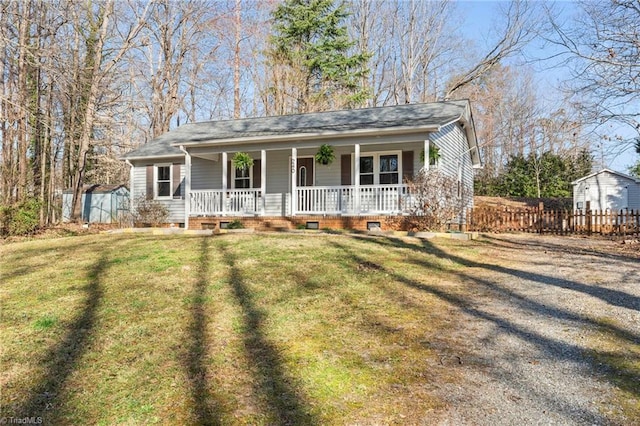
[[311, 200], [370, 199], [235, 202]]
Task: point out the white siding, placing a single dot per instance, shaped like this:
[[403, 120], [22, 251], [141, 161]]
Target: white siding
[[205, 174], [634, 196], [606, 190], [455, 157], [139, 185], [279, 171]]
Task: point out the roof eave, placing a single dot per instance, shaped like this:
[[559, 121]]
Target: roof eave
[[468, 126], [629, 177], [309, 136], [146, 157]]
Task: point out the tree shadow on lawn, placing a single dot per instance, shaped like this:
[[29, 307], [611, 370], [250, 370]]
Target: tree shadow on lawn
[[611, 296], [536, 241], [60, 361], [558, 349], [207, 406], [283, 399], [18, 263]]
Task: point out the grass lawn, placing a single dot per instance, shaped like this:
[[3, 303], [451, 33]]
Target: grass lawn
[[239, 329], [230, 329]]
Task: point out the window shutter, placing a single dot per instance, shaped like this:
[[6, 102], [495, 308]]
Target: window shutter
[[149, 190], [176, 181], [345, 169], [407, 165], [230, 172], [257, 173]]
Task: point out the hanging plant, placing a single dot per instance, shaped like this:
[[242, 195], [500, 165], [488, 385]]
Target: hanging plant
[[325, 154], [242, 161], [434, 155]]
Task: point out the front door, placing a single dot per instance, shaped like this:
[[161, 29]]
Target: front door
[[304, 178], [305, 171]]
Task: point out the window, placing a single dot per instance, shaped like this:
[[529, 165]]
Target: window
[[163, 181], [388, 169], [380, 169], [302, 176], [366, 171], [242, 178]]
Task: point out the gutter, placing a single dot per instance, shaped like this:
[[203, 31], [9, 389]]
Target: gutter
[[131, 190], [309, 136], [146, 157]]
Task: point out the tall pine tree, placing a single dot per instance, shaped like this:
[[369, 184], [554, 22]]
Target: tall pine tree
[[312, 63]]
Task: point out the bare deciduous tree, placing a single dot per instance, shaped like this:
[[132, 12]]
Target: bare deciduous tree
[[602, 49], [521, 22]]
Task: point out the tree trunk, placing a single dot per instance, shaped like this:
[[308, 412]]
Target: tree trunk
[[236, 62]]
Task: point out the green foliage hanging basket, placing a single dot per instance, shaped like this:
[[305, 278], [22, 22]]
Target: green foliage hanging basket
[[242, 161], [325, 154]]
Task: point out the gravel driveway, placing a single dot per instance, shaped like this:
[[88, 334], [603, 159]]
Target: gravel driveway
[[545, 334]]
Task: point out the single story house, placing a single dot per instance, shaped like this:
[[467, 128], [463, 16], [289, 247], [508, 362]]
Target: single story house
[[99, 204], [190, 169], [606, 190]]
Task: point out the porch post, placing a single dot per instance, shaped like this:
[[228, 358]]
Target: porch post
[[356, 189], [263, 181], [187, 187], [224, 183], [427, 160], [294, 173]]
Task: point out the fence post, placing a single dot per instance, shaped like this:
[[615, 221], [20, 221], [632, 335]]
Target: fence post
[[587, 216], [540, 221]]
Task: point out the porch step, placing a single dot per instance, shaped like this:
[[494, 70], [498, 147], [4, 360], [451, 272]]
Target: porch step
[[276, 225]]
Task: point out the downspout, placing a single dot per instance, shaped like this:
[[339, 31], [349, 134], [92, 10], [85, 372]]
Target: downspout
[[131, 193], [187, 186]]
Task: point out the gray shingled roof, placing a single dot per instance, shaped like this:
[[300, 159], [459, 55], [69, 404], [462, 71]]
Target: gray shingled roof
[[388, 118]]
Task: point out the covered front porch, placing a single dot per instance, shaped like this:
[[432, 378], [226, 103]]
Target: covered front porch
[[313, 200], [363, 180]]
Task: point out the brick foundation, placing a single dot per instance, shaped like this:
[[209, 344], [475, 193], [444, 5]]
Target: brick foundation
[[274, 223]]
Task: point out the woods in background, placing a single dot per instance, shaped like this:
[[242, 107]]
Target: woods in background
[[83, 82]]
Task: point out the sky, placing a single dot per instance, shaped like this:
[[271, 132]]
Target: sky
[[480, 19]]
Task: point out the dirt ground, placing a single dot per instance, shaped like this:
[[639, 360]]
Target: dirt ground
[[546, 332]]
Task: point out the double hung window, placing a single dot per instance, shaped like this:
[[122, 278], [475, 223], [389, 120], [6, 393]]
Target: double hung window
[[242, 178], [380, 169], [163, 181]]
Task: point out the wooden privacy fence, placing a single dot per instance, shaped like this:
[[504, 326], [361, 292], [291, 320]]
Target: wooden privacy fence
[[539, 220]]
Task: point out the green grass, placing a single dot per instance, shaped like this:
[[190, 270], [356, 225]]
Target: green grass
[[231, 329], [622, 359]]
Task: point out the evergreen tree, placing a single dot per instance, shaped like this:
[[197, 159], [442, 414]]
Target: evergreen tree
[[546, 175], [635, 169], [312, 64]]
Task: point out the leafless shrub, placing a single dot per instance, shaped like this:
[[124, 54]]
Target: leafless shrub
[[435, 201], [149, 212]]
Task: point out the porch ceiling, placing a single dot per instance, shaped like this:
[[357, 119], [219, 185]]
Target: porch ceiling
[[249, 146], [206, 155]]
